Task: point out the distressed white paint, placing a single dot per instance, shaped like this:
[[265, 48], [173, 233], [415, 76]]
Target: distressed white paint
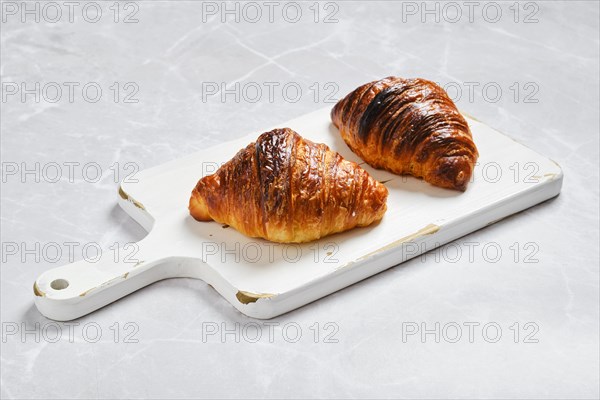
[[420, 217]]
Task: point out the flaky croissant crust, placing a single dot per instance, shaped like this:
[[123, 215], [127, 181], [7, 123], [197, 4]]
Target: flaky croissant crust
[[288, 189], [408, 126]]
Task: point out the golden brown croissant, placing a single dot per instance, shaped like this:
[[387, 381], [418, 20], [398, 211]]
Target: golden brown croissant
[[288, 189], [408, 126]]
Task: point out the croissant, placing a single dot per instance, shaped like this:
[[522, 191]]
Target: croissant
[[287, 189], [408, 126]]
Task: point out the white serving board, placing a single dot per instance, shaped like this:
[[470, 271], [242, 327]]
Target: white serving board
[[263, 279]]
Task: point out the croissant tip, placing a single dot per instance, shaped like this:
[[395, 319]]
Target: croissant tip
[[198, 208], [461, 181]]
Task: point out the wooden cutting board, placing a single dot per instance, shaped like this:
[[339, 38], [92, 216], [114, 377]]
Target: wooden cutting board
[[263, 279]]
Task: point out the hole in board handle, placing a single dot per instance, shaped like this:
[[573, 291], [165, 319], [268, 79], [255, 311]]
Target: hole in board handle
[[59, 284]]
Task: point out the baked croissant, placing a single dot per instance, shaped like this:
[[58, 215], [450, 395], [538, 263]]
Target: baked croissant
[[408, 126], [288, 189]]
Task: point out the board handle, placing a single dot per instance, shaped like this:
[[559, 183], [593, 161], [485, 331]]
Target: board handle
[[73, 290]]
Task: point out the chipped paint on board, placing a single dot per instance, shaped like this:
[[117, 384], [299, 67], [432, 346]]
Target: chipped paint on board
[[127, 197], [427, 230], [37, 291], [249, 297], [107, 283]]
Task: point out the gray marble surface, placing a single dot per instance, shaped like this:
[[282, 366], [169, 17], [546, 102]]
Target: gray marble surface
[[531, 72]]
